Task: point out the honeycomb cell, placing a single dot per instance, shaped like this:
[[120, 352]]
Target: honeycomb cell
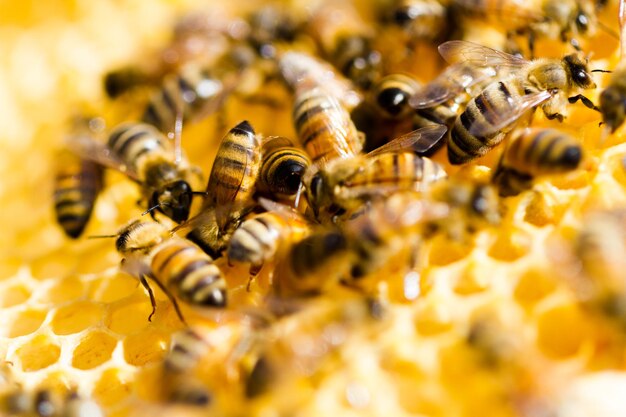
[[93, 350], [534, 285], [472, 280], [64, 290], [145, 347], [434, 318], [112, 388], [114, 288], [98, 260], [562, 330], [26, 322], [38, 353], [444, 252], [9, 267], [76, 317], [543, 210], [13, 295], [510, 246], [129, 318], [55, 265]]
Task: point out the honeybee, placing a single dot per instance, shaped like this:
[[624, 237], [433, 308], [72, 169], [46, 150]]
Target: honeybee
[[346, 41], [324, 127], [271, 25], [40, 403], [145, 155], [77, 406], [230, 190], [344, 184], [420, 19], [535, 152], [613, 98], [263, 236], [552, 19], [493, 113], [150, 251], [190, 94], [282, 167], [300, 69]]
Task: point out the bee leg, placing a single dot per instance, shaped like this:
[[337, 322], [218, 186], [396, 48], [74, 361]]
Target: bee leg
[[588, 103], [254, 271], [557, 116], [145, 284], [172, 300]]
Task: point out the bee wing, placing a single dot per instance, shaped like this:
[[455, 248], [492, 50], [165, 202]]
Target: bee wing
[[475, 54], [499, 120], [283, 210], [420, 141], [88, 148], [453, 81]]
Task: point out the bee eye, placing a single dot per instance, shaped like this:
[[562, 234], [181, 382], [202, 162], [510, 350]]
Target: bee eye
[[582, 22], [392, 100]]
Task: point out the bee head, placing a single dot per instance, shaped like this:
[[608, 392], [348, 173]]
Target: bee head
[[289, 176], [360, 63], [174, 200], [578, 71], [613, 108], [393, 101]]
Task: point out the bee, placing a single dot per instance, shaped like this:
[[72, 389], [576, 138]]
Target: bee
[[263, 236], [230, 190], [77, 406], [40, 403], [270, 25], [420, 19], [150, 251], [391, 95], [551, 19], [346, 41], [324, 127], [190, 94], [532, 153], [282, 167], [613, 97], [493, 113], [345, 184], [471, 204]]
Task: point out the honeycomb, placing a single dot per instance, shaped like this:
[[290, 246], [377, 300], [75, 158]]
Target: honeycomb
[[484, 329]]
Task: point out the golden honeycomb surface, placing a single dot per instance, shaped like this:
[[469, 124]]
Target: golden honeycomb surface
[[70, 319]]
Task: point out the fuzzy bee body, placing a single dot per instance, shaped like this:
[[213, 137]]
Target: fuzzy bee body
[[282, 167]]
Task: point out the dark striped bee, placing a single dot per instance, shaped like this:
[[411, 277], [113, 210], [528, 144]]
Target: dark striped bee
[[532, 153], [282, 168], [150, 251], [264, 236], [346, 41], [493, 113], [419, 19], [346, 183], [230, 190], [145, 155], [613, 97]]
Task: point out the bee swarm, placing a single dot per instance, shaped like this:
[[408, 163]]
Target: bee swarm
[[498, 320]]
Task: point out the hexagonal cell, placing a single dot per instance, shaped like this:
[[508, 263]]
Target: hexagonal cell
[[63, 290], [114, 288], [434, 318], [76, 317], [93, 350], [543, 210], [473, 279], [145, 347], [129, 317], [98, 259], [13, 295], [38, 353], [509, 246], [54, 265], [112, 388], [24, 322], [561, 331], [444, 251], [534, 285]]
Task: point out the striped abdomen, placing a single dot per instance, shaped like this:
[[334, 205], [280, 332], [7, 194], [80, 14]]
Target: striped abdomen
[[234, 173], [77, 184], [495, 100], [316, 251], [186, 94], [422, 19], [282, 167], [392, 93], [324, 127], [389, 172], [259, 238], [180, 264], [133, 142], [188, 348]]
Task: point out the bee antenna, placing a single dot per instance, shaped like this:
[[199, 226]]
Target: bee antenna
[[151, 208], [101, 236], [601, 70], [204, 193]]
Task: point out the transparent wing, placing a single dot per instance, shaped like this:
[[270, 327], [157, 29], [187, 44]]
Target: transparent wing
[[453, 81], [475, 54], [281, 209], [420, 141], [88, 148], [499, 120]]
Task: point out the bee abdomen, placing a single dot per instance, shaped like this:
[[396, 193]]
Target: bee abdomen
[[131, 141], [194, 274], [77, 185], [312, 252], [187, 349], [282, 170], [256, 240]]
